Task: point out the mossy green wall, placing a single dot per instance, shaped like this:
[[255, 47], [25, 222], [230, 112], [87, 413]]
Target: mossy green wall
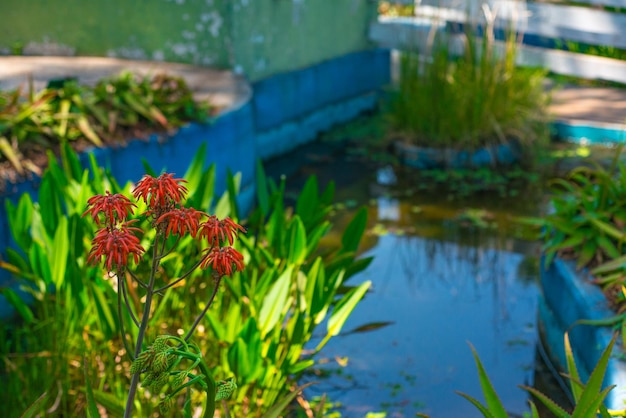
[[258, 37], [191, 31], [279, 35]]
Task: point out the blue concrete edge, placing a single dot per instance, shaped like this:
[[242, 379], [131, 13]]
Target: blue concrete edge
[[568, 296], [436, 158], [588, 132]]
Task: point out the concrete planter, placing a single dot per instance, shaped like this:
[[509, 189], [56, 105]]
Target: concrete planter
[[568, 296], [432, 158]]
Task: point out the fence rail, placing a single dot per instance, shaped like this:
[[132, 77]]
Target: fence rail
[[540, 23]]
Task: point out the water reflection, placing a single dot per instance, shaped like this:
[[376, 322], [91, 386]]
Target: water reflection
[[439, 296], [441, 283]]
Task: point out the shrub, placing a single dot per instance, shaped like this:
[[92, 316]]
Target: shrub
[[476, 99], [65, 354]]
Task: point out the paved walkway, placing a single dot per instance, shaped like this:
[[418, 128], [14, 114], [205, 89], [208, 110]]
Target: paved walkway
[[601, 106], [221, 87]]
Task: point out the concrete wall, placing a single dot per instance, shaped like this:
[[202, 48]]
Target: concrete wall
[[257, 37]]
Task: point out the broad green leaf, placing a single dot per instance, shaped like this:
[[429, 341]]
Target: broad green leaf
[[70, 162], [59, 253], [262, 193], [344, 308], [39, 263], [307, 203], [274, 302], [195, 171], [494, 403], [233, 183], [50, 208], [354, 231], [20, 220], [297, 241]]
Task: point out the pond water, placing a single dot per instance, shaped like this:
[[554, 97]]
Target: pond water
[[441, 281]]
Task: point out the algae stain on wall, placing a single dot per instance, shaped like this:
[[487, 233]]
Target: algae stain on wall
[[257, 37], [175, 30]]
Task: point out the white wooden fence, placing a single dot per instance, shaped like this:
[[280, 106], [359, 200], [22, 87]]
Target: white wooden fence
[[590, 25]]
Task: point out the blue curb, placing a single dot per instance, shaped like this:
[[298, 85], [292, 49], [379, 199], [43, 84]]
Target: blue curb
[[435, 158], [588, 132], [569, 296]]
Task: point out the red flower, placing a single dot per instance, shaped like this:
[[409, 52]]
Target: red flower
[[116, 245], [161, 192], [222, 260], [115, 207], [217, 231], [180, 221]]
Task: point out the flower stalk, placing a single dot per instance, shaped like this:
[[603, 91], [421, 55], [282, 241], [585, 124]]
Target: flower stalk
[[117, 243]]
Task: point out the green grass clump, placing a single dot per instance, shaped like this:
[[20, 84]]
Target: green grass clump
[[469, 101]]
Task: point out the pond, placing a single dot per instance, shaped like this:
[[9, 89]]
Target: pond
[[446, 273]]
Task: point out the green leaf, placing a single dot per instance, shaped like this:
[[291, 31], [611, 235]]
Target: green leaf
[[16, 301], [491, 397], [297, 241], [233, 182], [592, 395], [548, 403], [35, 409], [344, 308], [486, 413], [59, 253], [262, 193], [274, 302], [307, 203], [276, 411], [354, 231], [194, 172], [572, 369], [615, 264], [92, 406], [20, 220]]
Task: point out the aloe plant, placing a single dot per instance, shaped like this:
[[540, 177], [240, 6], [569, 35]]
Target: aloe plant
[[589, 396]]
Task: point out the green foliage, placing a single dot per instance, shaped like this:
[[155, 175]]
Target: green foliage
[[589, 215], [73, 312], [259, 329], [114, 109], [469, 101], [589, 397], [286, 291]]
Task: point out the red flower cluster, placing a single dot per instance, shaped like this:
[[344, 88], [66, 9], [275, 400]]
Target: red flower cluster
[[114, 207], [116, 244], [117, 240], [181, 221], [222, 260], [162, 192], [218, 231]]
